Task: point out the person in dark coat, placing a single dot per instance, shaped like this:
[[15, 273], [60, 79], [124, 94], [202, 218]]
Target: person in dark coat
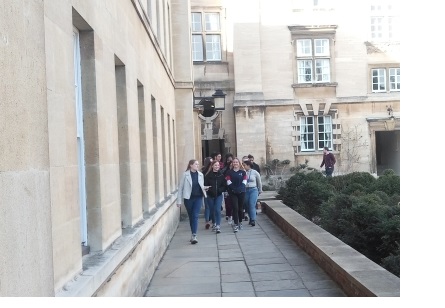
[[328, 161], [214, 179]]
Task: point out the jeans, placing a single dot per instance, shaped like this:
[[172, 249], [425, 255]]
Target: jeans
[[250, 202], [215, 205], [193, 207], [329, 171]]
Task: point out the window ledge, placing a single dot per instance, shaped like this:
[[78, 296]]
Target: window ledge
[[315, 85], [210, 62], [314, 153]]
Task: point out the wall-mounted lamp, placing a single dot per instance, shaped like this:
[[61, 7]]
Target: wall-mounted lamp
[[210, 104], [220, 99]]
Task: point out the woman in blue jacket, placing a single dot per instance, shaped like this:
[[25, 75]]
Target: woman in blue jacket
[[236, 185]]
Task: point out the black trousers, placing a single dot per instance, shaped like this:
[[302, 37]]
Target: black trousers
[[237, 207]]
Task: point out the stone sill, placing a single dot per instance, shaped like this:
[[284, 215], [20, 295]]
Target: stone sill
[[357, 275]]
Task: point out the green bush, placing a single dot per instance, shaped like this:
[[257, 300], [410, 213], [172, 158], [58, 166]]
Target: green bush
[[360, 210], [388, 183]]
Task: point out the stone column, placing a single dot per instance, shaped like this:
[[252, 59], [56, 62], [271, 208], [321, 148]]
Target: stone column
[[25, 219]]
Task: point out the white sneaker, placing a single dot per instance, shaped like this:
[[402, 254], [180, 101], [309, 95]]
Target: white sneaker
[[218, 229], [235, 229], [230, 221], [194, 239]]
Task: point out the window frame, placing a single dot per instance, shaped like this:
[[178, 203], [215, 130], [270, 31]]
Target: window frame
[[307, 50], [313, 132], [210, 34], [322, 36], [386, 78]]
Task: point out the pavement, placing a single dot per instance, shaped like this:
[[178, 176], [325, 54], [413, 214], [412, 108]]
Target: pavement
[[258, 261]]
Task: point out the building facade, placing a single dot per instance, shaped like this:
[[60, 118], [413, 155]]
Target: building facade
[[95, 97], [301, 75], [101, 109]]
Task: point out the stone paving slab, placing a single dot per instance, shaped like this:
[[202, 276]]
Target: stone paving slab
[[258, 261]]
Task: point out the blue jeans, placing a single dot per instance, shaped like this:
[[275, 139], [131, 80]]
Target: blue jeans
[[215, 206], [250, 202], [193, 207]]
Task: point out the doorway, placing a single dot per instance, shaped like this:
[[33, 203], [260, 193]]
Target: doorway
[[388, 151], [212, 146]]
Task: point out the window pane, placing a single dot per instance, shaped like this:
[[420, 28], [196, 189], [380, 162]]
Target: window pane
[[196, 22], [324, 132], [394, 79], [321, 47], [212, 22], [213, 48], [304, 71], [379, 80], [197, 48], [304, 48], [307, 133], [322, 70]]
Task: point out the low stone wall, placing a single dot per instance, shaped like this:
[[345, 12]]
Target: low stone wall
[[353, 272]]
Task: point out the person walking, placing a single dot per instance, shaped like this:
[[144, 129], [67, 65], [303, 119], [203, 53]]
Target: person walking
[[228, 200], [328, 161], [206, 167], [215, 180], [236, 182], [254, 164], [254, 188], [217, 156], [191, 189]]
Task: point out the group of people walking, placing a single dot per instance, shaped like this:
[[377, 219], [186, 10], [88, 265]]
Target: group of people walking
[[235, 183]]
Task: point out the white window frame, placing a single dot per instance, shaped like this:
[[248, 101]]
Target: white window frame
[[385, 79], [313, 60], [378, 80], [206, 36], [394, 79], [315, 133]]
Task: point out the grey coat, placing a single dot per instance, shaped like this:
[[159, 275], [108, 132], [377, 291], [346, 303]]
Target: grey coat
[[185, 186]]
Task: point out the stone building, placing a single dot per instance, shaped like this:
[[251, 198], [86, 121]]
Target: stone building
[[101, 107], [96, 117], [300, 75]]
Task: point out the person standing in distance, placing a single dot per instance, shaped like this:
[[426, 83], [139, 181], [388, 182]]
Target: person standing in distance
[[192, 190], [328, 161]]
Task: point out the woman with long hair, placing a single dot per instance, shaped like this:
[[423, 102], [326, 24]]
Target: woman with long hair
[[227, 200], [214, 179], [236, 182], [205, 168], [192, 190], [254, 188]]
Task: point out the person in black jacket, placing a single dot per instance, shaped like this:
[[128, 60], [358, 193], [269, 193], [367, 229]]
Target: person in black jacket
[[215, 180]]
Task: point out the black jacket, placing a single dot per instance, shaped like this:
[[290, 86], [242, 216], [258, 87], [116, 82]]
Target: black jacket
[[217, 182]]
